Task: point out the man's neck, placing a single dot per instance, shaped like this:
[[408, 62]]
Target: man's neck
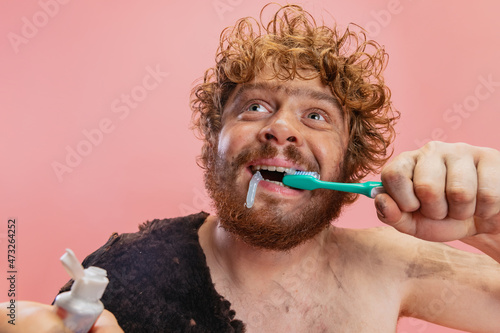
[[246, 266]]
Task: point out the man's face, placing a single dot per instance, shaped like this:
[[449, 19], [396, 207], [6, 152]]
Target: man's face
[[268, 124]]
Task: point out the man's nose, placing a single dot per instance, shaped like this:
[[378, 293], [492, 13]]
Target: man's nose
[[281, 129]]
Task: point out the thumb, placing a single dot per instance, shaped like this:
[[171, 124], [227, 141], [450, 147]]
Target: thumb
[[106, 323], [389, 213]]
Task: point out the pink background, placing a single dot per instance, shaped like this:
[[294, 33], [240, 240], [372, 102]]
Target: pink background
[[64, 69]]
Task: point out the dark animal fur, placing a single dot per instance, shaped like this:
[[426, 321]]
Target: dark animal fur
[[159, 280]]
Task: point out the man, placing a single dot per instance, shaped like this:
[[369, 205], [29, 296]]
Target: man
[[302, 97]]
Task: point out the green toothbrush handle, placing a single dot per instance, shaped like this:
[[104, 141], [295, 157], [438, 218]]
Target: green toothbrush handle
[[365, 188], [307, 182]]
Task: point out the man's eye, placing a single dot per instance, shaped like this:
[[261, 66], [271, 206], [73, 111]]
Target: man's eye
[[256, 107], [315, 116]]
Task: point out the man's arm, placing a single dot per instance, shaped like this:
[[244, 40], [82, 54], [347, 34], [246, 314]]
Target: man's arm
[[444, 192], [452, 288]]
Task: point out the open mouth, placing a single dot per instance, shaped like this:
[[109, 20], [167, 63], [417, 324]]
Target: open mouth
[[272, 174]]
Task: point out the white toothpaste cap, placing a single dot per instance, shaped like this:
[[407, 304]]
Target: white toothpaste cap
[[89, 283]]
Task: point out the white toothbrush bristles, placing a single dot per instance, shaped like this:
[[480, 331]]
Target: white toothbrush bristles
[[252, 189]]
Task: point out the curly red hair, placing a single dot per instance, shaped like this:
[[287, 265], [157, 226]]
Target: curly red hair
[[288, 44]]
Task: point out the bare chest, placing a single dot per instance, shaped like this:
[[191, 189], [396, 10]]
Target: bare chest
[[317, 309]]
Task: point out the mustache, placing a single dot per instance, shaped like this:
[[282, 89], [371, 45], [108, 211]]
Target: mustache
[[268, 150]]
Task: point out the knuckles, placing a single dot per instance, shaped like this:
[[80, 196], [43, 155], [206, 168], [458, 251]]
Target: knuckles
[[487, 203], [427, 193], [460, 195], [490, 153], [488, 197], [394, 172], [392, 177], [431, 198], [434, 147], [458, 200]]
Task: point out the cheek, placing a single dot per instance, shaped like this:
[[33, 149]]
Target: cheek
[[223, 144], [232, 139], [329, 151]]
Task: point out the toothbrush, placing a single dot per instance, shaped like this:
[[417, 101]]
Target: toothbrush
[[310, 181]]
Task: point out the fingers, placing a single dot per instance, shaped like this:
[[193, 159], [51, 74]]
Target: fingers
[[461, 187], [389, 213], [416, 181], [397, 179], [440, 180], [35, 317], [417, 225], [442, 192], [106, 323], [488, 189], [429, 186]]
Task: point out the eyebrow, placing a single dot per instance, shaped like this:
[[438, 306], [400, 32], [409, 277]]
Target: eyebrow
[[311, 93]]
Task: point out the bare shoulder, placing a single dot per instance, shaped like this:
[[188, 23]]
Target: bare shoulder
[[418, 257], [378, 240], [436, 282], [413, 261], [382, 249], [433, 281]]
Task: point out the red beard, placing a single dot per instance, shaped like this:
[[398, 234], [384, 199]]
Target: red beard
[[269, 227]]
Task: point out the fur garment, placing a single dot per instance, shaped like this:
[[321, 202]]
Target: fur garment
[[159, 280]]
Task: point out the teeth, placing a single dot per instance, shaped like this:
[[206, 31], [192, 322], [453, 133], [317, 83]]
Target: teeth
[[271, 168], [256, 168]]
